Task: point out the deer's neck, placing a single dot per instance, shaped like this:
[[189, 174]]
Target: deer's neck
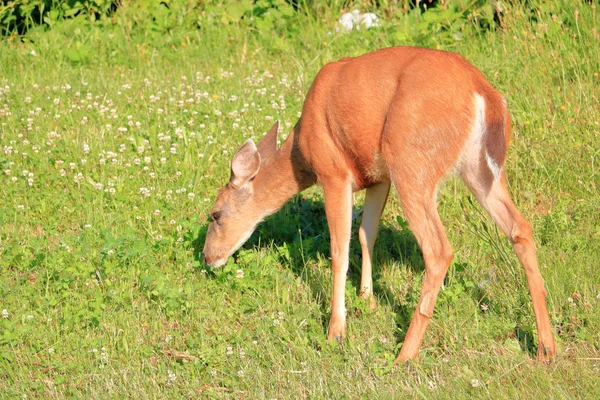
[[283, 175]]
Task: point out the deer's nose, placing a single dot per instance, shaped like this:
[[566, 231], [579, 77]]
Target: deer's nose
[[204, 258]]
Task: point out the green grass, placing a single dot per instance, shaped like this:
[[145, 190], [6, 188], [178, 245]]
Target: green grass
[[105, 295]]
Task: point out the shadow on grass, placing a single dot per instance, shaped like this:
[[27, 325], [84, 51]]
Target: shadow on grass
[[301, 225], [526, 342]]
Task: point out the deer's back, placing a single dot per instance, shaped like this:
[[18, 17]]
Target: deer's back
[[347, 110]]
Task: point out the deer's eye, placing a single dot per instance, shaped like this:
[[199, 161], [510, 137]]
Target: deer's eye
[[215, 216]]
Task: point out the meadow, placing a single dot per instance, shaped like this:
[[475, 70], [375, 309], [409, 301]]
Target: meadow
[[117, 132]]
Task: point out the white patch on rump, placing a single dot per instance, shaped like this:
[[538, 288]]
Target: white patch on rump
[[475, 144]]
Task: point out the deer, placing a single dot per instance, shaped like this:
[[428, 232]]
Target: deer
[[403, 115]]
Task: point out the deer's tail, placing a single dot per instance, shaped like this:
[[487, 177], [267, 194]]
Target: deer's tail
[[497, 133]]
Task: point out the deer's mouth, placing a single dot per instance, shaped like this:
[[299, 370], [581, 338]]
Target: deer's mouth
[[219, 262], [214, 261]]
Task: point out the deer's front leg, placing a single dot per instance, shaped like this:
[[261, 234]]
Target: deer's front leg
[[367, 234], [338, 208]]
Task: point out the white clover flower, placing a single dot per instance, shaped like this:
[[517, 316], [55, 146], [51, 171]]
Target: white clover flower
[[171, 377], [5, 313], [355, 20], [347, 20], [369, 20]]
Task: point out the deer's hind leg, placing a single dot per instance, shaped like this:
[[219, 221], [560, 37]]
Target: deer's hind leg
[[420, 209], [417, 163], [417, 189], [493, 195]]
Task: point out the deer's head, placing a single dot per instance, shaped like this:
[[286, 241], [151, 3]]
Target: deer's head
[[236, 212]]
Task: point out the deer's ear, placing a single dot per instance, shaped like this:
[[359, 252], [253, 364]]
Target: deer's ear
[[268, 144], [245, 164]]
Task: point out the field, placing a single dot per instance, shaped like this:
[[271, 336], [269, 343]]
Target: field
[[116, 136]]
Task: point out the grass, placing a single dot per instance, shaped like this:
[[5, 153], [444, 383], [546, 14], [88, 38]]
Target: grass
[[115, 142]]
